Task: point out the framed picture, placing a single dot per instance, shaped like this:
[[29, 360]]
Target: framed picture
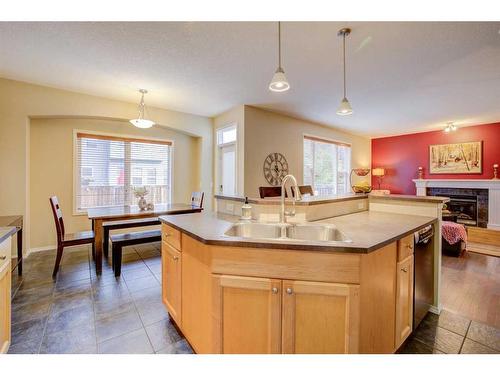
[[456, 158]]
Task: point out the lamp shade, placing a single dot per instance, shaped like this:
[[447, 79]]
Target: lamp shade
[[378, 172], [142, 123], [344, 108], [279, 82]]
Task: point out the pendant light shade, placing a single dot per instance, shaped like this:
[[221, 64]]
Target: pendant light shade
[[141, 121], [279, 82], [345, 107]]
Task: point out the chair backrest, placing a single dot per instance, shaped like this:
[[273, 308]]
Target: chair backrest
[[197, 198], [303, 189], [58, 218], [271, 191]]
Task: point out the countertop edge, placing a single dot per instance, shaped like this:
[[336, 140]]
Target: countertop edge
[[305, 202], [10, 232], [301, 246], [410, 198]]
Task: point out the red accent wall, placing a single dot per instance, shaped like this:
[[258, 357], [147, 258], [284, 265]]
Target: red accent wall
[[402, 155]]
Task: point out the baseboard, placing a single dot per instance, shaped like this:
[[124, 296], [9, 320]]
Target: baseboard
[[435, 310], [494, 227], [484, 236], [38, 249]]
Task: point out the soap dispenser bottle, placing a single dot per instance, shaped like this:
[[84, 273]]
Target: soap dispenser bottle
[[246, 210]]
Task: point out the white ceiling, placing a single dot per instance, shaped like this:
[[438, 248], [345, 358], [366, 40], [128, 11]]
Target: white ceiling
[[402, 77]]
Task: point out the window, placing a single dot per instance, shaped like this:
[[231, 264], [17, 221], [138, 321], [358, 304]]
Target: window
[[327, 165], [226, 143], [108, 168]]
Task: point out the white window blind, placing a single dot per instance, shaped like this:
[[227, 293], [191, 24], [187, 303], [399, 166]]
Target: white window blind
[[327, 165], [108, 168]]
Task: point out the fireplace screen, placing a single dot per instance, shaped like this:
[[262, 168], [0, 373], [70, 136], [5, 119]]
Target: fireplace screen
[[465, 208]]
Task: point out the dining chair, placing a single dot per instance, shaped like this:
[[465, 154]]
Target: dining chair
[[67, 239], [303, 189], [271, 191], [197, 198]]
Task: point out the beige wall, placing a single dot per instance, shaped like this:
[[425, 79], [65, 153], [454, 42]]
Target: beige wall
[[267, 132], [51, 170], [234, 115], [20, 102]]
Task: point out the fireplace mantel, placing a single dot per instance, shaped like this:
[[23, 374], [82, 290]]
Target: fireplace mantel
[[493, 187]]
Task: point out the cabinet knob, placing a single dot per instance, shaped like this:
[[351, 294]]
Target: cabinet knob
[[289, 290], [176, 258], [404, 270], [3, 257], [274, 290], [409, 246]]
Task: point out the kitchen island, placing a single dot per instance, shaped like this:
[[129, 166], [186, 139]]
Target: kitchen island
[[232, 294]]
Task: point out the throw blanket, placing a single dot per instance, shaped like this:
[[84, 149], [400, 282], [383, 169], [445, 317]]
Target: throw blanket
[[453, 232]]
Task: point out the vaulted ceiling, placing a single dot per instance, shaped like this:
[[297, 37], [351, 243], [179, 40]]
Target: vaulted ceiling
[[402, 77]]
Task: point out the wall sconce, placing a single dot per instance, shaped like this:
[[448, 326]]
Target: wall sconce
[[379, 173]]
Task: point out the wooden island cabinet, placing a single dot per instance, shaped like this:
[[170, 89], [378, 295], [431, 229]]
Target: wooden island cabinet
[[228, 299]]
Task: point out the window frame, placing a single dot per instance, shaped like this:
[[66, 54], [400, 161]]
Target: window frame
[[218, 156], [316, 138], [76, 211]]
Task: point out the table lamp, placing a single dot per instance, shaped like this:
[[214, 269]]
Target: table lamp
[[379, 173]]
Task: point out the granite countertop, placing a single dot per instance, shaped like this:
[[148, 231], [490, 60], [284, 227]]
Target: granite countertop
[[305, 201], [412, 198], [6, 232], [368, 230]]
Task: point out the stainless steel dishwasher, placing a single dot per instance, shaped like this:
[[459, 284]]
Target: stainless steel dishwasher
[[424, 274]]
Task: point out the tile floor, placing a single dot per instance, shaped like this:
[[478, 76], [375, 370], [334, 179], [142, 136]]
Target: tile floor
[[449, 333], [82, 313]]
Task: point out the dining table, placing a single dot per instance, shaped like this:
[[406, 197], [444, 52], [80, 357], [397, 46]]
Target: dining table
[[99, 215]]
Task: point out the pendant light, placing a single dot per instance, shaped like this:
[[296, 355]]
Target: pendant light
[[345, 107], [142, 122], [450, 127], [279, 82]]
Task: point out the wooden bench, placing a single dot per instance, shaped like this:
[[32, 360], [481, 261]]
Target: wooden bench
[[123, 224], [128, 239]]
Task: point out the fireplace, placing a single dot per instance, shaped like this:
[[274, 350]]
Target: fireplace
[[465, 206], [471, 205]]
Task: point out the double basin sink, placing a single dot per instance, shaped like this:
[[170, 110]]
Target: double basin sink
[[314, 232]]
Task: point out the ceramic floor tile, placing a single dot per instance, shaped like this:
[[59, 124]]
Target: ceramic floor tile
[[472, 347], [42, 293], [135, 342], [80, 340], [163, 334], [180, 347], [438, 338], [453, 322], [22, 313], [142, 283], [26, 347], [81, 316], [117, 325], [486, 335], [28, 330]]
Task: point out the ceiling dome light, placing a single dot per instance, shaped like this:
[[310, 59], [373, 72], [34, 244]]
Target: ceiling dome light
[[345, 107], [142, 122], [450, 127], [279, 82]]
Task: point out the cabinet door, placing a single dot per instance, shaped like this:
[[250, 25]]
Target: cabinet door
[[320, 317], [171, 280], [4, 306], [404, 300], [248, 314]]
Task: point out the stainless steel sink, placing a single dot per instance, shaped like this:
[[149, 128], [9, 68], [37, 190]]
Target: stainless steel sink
[[310, 232], [315, 232], [255, 230]]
